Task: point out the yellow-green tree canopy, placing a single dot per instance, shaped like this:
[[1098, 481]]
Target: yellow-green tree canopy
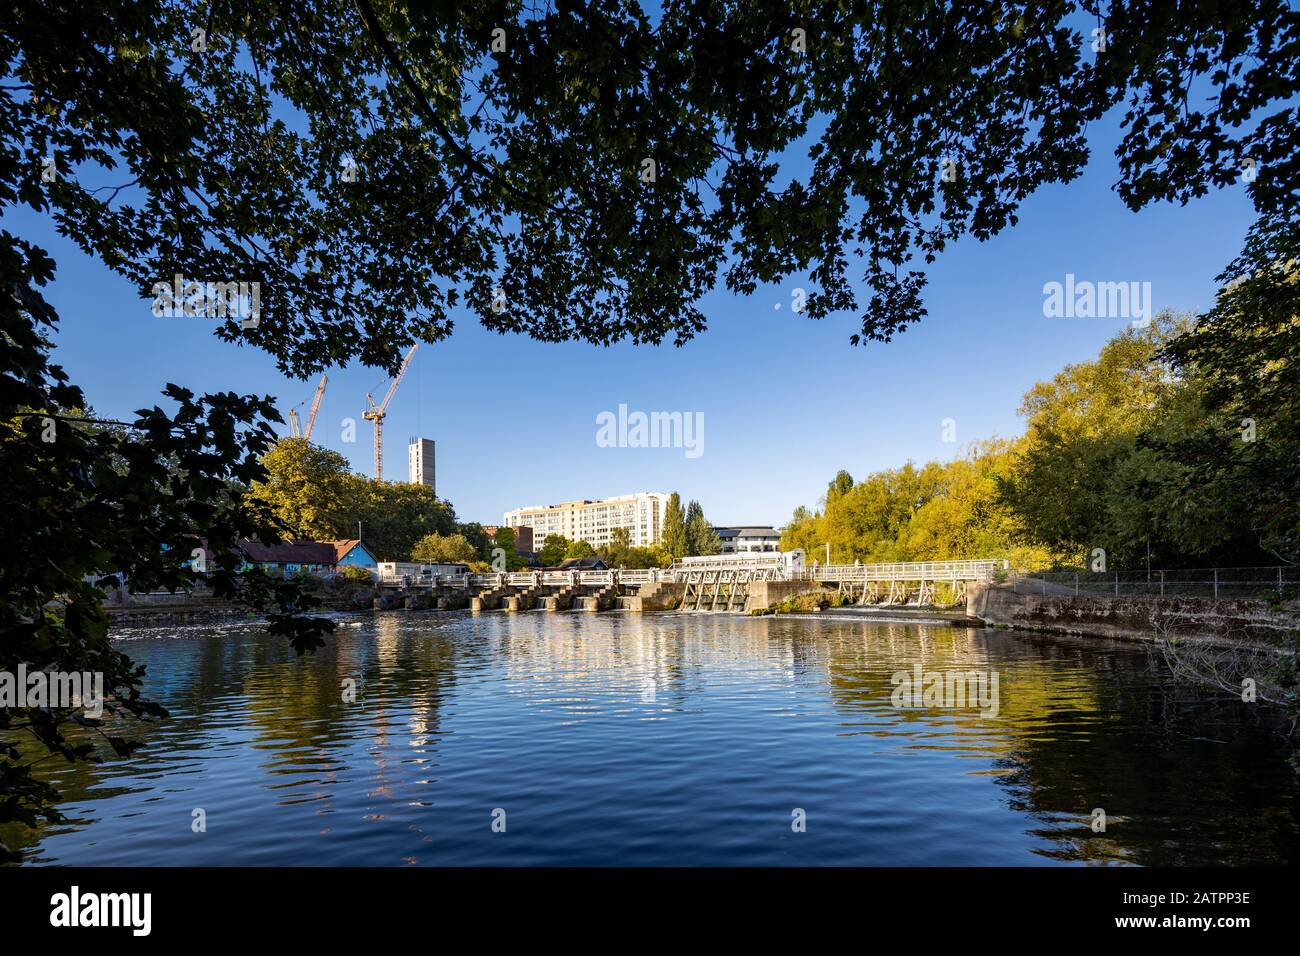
[[444, 549], [308, 487], [1122, 453], [314, 492]]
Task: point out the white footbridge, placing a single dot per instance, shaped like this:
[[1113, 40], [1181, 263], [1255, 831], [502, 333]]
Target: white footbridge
[[720, 582]]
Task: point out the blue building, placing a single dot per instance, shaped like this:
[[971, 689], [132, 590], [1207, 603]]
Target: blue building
[[352, 553]]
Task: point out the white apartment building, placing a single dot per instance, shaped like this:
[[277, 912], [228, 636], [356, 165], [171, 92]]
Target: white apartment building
[[420, 462], [642, 514]]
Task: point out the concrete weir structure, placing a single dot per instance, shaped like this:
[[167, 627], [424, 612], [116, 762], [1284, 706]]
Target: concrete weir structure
[[652, 590], [738, 583]]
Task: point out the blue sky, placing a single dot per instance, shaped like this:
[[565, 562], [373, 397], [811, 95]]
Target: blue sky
[[786, 400]]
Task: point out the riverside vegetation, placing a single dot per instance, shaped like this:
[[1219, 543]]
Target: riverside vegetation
[[1144, 446]]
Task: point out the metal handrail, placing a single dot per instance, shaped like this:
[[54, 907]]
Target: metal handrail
[[964, 570]]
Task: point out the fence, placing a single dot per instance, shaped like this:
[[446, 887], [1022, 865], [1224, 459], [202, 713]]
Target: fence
[[1195, 582], [968, 570], [530, 578]]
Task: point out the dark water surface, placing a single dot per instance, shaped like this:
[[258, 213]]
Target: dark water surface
[[670, 739]]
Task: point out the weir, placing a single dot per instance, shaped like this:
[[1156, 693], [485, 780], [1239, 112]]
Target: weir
[[736, 582]]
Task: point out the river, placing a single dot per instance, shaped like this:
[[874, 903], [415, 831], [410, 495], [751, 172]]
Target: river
[[690, 739]]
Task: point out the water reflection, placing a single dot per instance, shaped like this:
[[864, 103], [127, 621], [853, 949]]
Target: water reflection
[[664, 739]]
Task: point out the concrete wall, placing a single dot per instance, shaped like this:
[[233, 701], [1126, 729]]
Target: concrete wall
[[763, 594], [660, 596], [1134, 617]]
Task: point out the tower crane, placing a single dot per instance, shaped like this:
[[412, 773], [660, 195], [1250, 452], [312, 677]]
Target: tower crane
[[315, 407], [295, 429], [376, 413]]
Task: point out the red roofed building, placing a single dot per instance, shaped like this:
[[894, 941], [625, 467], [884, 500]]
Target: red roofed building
[[292, 557]]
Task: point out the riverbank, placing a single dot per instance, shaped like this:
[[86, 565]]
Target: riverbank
[[202, 607]]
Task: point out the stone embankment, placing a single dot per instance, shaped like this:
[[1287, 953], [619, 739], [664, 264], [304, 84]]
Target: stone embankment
[[1135, 617]]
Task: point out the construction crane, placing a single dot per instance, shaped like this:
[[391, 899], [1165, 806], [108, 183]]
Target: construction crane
[[376, 413], [315, 407], [294, 427]]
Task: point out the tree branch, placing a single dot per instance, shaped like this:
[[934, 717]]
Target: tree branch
[[376, 31]]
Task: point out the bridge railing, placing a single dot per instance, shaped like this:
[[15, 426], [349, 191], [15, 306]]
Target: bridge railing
[[529, 578], [728, 562], [969, 570]]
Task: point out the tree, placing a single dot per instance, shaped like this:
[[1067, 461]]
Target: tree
[[801, 533], [1246, 450], [640, 558], [1122, 454], [504, 538], [477, 537], [569, 168], [505, 547], [580, 549], [153, 504], [1080, 426], [554, 548], [700, 536], [673, 535], [312, 491], [940, 511], [444, 549], [841, 484], [308, 488], [395, 515], [616, 553]]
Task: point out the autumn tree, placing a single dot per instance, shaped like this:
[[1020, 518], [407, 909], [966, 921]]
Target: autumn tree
[[314, 493], [309, 488], [438, 548]]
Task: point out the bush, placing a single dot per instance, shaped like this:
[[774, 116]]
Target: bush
[[351, 574], [307, 580]]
